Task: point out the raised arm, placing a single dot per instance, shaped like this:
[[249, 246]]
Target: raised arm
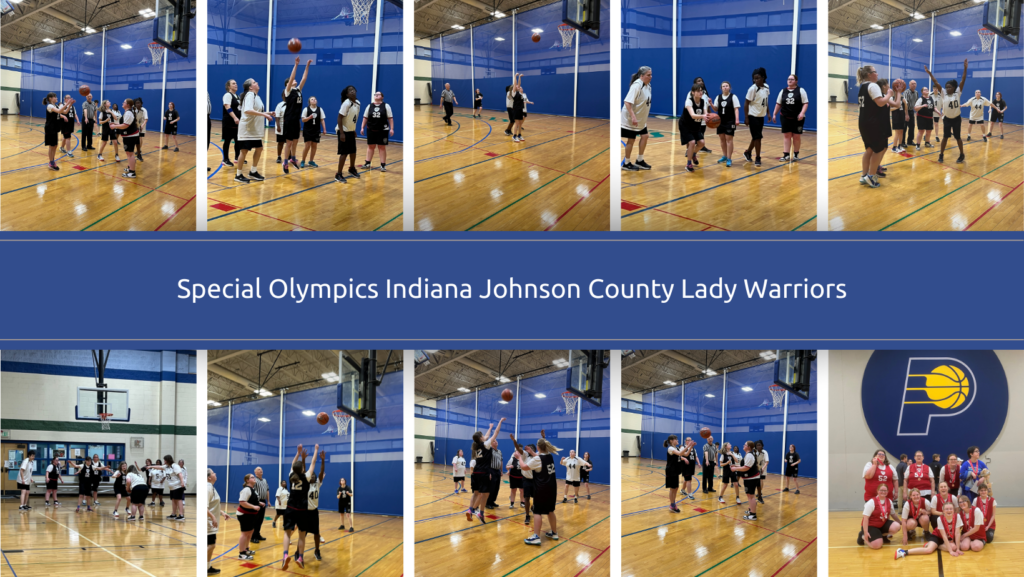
[[497, 430], [305, 74], [963, 78], [312, 465], [323, 465], [291, 77], [934, 81]]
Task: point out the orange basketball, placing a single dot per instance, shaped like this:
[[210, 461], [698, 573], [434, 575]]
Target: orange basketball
[[506, 395], [294, 45], [713, 120], [322, 418], [84, 90], [704, 431], [536, 37]]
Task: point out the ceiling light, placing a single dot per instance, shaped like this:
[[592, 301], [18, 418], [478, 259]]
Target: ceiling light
[[876, 27], [50, 41], [499, 39], [498, 14], [263, 420], [560, 363], [537, 30], [457, 27], [147, 13], [540, 396], [308, 413], [503, 379], [670, 383], [919, 16], [710, 372], [955, 33], [88, 30], [464, 389], [918, 40], [502, 402], [709, 395], [214, 403], [768, 355], [265, 393], [747, 389], [88, 53], [331, 376], [126, 46]]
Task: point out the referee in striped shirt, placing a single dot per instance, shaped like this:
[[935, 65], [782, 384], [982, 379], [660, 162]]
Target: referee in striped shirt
[[708, 471], [447, 98], [496, 466], [261, 493]]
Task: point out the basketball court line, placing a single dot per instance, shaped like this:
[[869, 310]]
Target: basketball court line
[[987, 210], [762, 539], [948, 149], [84, 538], [578, 201], [379, 559], [9, 565], [563, 543], [489, 129], [55, 159], [457, 128], [144, 196], [707, 225]]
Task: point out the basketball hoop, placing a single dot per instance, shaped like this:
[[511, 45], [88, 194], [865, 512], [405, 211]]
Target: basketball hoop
[[567, 33], [778, 395], [156, 50], [105, 421], [361, 11], [570, 399], [341, 418], [987, 38]]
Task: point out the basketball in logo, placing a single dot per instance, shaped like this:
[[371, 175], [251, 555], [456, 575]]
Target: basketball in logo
[[946, 387]]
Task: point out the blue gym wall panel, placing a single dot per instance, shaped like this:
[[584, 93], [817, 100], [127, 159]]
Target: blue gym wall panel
[[389, 65], [461, 426], [807, 62], [181, 87], [441, 433], [595, 434], [647, 427], [436, 71], [647, 41], [378, 488], [45, 77], [342, 55], [594, 75], [237, 48], [255, 429], [911, 47], [81, 68], [802, 427], [873, 50], [548, 70], [541, 407], [667, 408], [217, 447], [750, 416], [492, 409], [300, 427], [492, 63], [130, 72], [1010, 80], [456, 70], [702, 407]]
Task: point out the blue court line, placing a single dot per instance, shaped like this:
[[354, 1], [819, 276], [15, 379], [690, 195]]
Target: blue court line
[[662, 486], [169, 537], [77, 142], [9, 565], [171, 528], [27, 149], [458, 128], [847, 140], [59, 178], [224, 553], [706, 189], [219, 164], [436, 500], [691, 517], [464, 512], [464, 149], [508, 153], [469, 528]]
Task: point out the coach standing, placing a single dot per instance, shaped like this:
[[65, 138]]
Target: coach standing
[[261, 493], [447, 98], [496, 465], [910, 96], [88, 121], [710, 458]]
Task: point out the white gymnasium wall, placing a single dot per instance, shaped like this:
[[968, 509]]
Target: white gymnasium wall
[[10, 84], [631, 427], [423, 70], [40, 406], [424, 431], [838, 67], [851, 443]]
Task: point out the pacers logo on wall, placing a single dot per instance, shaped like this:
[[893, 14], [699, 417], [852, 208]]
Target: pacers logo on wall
[[934, 401]]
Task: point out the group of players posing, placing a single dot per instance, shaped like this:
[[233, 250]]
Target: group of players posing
[[531, 471], [243, 123], [955, 499], [128, 123], [790, 108], [877, 103]]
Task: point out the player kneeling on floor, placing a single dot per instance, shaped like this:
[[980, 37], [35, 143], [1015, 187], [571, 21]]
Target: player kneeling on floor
[[946, 536], [880, 521]]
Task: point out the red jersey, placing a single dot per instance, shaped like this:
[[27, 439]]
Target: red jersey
[[941, 503], [952, 478], [987, 509], [950, 528], [917, 509], [881, 513], [968, 521], [917, 477], [883, 476]]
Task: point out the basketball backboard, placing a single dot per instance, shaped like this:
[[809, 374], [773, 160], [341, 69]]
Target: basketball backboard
[[95, 400], [357, 391], [1003, 18], [585, 375], [793, 371], [171, 25], [584, 15]]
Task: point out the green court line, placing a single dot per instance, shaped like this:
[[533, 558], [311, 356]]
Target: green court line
[[388, 222], [556, 547], [631, 431], [137, 199], [378, 560], [804, 223], [536, 189], [843, 76], [427, 437], [949, 193], [755, 542]]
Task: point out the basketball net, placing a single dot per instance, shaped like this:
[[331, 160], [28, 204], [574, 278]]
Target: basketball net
[[570, 399], [105, 421], [987, 38], [361, 11], [778, 395], [341, 418], [567, 33], [157, 52]]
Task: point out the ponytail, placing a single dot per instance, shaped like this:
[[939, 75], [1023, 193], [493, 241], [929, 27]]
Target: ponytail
[[668, 441], [862, 74], [640, 72], [547, 447], [46, 99]]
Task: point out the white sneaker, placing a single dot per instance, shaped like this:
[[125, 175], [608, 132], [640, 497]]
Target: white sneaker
[[901, 553]]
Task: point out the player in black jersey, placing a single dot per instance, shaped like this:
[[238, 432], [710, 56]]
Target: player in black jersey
[[791, 109], [52, 478], [292, 96], [314, 123], [703, 124], [727, 106], [381, 124], [119, 488], [85, 472], [924, 109], [545, 489], [873, 123], [751, 476], [229, 124], [53, 126], [67, 127], [298, 505], [481, 480], [690, 134], [673, 467], [517, 108], [478, 103], [996, 114]]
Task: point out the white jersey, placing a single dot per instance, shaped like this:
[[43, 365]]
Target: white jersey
[[458, 466], [314, 494], [279, 116], [143, 118], [250, 127], [173, 480], [136, 480], [978, 107], [869, 507], [922, 511], [950, 104], [349, 112], [640, 97], [282, 498], [25, 472], [758, 98], [572, 468], [213, 507], [156, 478]]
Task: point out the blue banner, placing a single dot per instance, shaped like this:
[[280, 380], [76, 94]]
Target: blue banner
[[512, 290]]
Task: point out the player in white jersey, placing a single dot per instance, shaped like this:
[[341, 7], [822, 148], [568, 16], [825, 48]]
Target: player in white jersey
[[25, 479], [312, 510], [459, 472], [156, 484], [977, 107], [950, 100], [573, 466], [635, 108]]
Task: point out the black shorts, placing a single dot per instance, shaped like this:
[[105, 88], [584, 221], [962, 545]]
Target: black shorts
[[292, 129], [67, 131], [139, 493], [294, 518], [527, 488], [311, 522], [229, 130], [877, 532], [311, 136], [24, 487], [106, 134], [728, 476], [377, 137], [480, 482], [517, 114], [874, 138], [898, 120], [996, 117], [929, 537], [632, 134], [515, 482], [459, 479], [584, 476], [131, 143], [50, 136], [347, 146], [178, 494], [121, 491], [247, 521], [572, 483], [544, 499], [951, 127], [686, 136], [990, 535], [344, 508], [478, 106], [87, 490], [687, 474], [51, 485], [792, 125], [756, 124], [976, 121], [925, 123], [171, 129], [750, 485], [281, 139], [791, 471], [248, 144], [525, 115], [156, 491], [211, 539], [671, 479], [727, 128]]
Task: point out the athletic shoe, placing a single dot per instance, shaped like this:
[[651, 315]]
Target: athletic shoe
[[576, 501], [526, 521], [721, 500], [117, 158], [300, 562], [508, 133], [255, 176], [21, 508], [984, 139], [521, 139], [643, 165], [728, 163], [164, 148], [71, 155], [695, 161], [469, 514], [900, 553], [175, 149], [757, 162], [551, 535], [353, 172], [339, 178], [720, 160], [153, 504], [747, 157], [53, 166], [341, 528], [212, 571], [116, 515], [797, 492], [175, 517], [785, 158], [241, 178], [706, 149], [860, 537], [278, 161], [936, 139], [515, 139], [317, 555], [227, 162], [294, 162], [490, 507], [738, 502], [367, 165], [511, 504], [564, 500], [940, 157], [961, 159], [691, 496], [750, 517], [130, 518], [62, 151], [138, 157], [918, 147], [588, 497], [464, 491], [480, 515], [285, 561], [1000, 137], [130, 174], [630, 167], [47, 503], [689, 166], [532, 540], [786, 490], [968, 138], [284, 166], [313, 164], [895, 149], [760, 499], [351, 529], [243, 557], [383, 168], [141, 519], [880, 174], [100, 157], [928, 145]]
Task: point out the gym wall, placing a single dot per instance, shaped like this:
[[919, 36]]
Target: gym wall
[[40, 391], [10, 80], [632, 417], [838, 69], [426, 417], [851, 443]]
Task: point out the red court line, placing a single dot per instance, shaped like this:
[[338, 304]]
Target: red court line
[[581, 199], [993, 206], [556, 170], [679, 216], [795, 556], [115, 177], [588, 565], [175, 213], [584, 544], [760, 527], [965, 172], [266, 215]]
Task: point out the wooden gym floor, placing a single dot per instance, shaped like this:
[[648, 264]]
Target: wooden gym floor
[[470, 176], [448, 545], [87, 194], [308, 198], [1000, 557], [715, 198], [708, 538], [48, 541], [373, 550], [919, 193]]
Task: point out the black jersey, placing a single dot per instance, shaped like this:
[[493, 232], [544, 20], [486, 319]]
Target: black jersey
[[545, 477], [377, 116], [119, 484], [688, 122], [792, 102], [293, 106], [672, 463], [70, 114], [85, 475], [133, 127], [298, 496], [792, 458], [515, 471], [53, 474], [53, 119], [928, 108], [873, 118], [234, 106], [726, 109], [345, 499], [483, 460], [517, 101], [312, 126], [171, 115]]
